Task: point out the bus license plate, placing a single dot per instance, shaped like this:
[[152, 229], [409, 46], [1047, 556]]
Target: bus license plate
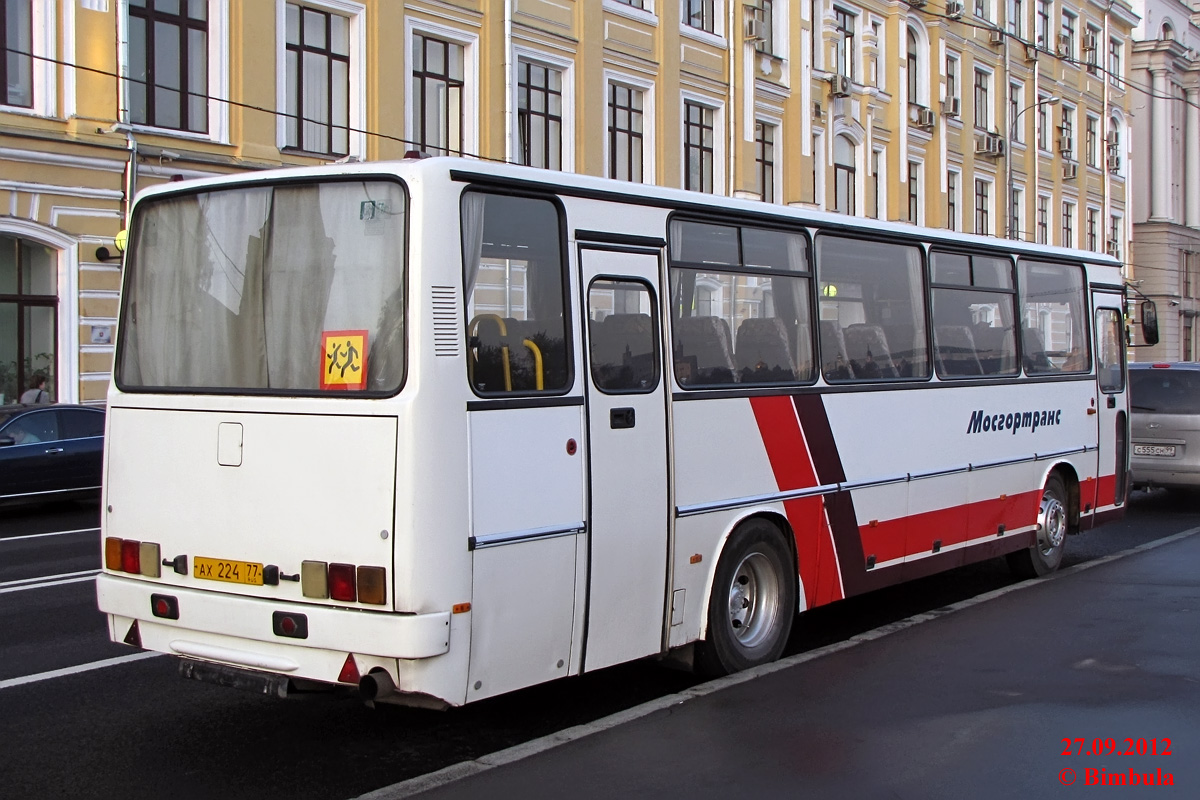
[[222, 569], [1154, 450]]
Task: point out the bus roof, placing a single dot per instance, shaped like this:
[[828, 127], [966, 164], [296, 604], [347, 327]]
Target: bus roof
[[573, 184]]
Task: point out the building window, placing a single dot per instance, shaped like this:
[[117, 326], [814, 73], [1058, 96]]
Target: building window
[[911, 61], [1091, 49], [1091, 141], [437, 87], [766, 16], [764, 157], [1093, 229], [844, 56], [16, 70], [1066, 132], [1068, 225], [983, 109], [1015, 90], [875, 186], [1113, 146], [981, 9], [624, 133], [28, 317], [843, 175], [1043, 220], [700, 14], [914, 192], [168, 64], [1043, 124], [951, 77], [1114, 235], [318, 81], [633, 3], [952, 200], [1016, 18], [698, 142], [1014, 213], [539, 115], [1114, 62], [1043, 23], [1066, 36], [982, 221]]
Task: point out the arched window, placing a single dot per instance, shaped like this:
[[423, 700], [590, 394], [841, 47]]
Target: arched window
[[28, 316], [1168, 32], [912, 60], [843, 175], [1112, 148]]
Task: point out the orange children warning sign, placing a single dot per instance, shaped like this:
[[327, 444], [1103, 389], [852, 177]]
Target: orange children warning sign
[[344, 360]]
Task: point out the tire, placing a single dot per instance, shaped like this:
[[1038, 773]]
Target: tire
[[753, 602], [1053, 521]]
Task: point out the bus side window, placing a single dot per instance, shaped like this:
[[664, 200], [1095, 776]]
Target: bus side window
[[513, 273], [1053, 318], [871, 293]]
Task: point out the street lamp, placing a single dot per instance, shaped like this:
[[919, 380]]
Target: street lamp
[[1012, 136]]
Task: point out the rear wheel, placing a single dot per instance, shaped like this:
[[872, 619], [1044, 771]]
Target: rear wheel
[[1053, 520], [752, 604]]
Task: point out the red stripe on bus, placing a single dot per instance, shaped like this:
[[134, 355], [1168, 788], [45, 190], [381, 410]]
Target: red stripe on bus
[[792, 465], [1106, 491], [891, 539]]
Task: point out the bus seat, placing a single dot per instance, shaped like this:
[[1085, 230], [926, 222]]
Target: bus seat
[[956, 355], [487, 342], [803, 352], [995, 348], [835, 366], [619, 351], [908, 355], [762, 351], [866, 346], [1034, 351], [703, 353]]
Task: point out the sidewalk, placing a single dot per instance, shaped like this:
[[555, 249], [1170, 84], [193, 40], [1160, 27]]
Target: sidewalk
[[971, 704]]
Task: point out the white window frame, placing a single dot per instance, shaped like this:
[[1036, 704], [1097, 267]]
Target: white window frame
[[1074, 216], [218, 73], [649, 148], [717, 36], [470, 92], [1097, 158], [647, 15], [919, 163], [357, 90], [777, 164], [924, 95], [1017, 132], [1017, 211], [956, 219], [567, 67], [720, 136], [958, 76], [43, 74], [1070, 113], [990, 121], [991, 209]]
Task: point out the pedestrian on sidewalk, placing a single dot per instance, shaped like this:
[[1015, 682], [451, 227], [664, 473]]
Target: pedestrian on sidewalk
[[37, 392]]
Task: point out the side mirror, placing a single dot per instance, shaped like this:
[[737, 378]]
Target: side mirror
[[7, 441], [1149, 314]]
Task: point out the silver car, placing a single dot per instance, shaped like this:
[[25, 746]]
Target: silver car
[[1165, 424]]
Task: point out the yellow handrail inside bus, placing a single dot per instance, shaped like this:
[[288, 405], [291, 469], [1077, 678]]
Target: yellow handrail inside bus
[[473, 330], [537, 362]]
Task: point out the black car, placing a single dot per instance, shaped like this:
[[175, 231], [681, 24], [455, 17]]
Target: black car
[[49, 452]]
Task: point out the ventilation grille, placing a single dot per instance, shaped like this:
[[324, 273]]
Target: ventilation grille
[[445, 320]]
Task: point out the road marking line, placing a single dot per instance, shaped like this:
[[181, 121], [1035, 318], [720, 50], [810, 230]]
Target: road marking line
[[48, 580], [51, 533], [466, 769], [60, 673]]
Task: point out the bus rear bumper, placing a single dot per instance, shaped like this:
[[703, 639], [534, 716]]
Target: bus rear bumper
[[239, 631]]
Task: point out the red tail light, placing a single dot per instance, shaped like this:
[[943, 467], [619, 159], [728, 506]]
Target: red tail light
[[341, 583], [131, 560]]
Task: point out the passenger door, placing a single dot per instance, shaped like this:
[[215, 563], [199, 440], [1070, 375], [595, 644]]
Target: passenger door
[[628, 521], [1112, 484]]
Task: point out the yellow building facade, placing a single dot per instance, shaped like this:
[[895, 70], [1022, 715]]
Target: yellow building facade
[[936, 113]]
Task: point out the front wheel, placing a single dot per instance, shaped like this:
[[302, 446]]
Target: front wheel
[[752, 604], [1053, 521]]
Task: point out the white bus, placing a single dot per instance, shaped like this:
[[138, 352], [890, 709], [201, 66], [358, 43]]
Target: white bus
[[441, 429]]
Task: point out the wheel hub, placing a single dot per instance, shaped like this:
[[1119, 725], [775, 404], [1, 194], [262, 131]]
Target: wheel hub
[[1052, 523], [754, 600]]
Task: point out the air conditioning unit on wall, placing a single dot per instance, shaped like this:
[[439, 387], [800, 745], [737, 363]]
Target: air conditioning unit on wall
[[952, 107], [1070, 170], [839, 86], [990, 145]]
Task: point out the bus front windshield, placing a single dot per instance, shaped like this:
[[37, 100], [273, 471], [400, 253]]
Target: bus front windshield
[[290, 288]]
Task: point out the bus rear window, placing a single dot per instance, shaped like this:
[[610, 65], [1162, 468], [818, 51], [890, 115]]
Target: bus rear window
[[282, 289]]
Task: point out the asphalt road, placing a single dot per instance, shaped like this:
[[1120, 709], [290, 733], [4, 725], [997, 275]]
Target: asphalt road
[[134, 729]]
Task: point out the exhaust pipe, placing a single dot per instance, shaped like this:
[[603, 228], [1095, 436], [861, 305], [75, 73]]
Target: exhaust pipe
[[376, 685]]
